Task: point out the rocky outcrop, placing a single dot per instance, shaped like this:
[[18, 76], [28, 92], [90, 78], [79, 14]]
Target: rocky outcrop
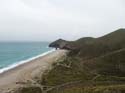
[[58, 44], [61, 44]]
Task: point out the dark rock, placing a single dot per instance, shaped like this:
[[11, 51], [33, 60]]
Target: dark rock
[[61, 44]]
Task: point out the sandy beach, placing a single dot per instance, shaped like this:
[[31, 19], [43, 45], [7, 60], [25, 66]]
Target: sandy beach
[[28, 71]]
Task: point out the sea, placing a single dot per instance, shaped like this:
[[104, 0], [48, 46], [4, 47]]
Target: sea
[[13, 54]]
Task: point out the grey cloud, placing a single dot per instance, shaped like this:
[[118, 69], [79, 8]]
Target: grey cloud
[[46, 20]]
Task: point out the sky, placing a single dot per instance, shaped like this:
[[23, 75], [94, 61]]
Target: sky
[[48, 20]]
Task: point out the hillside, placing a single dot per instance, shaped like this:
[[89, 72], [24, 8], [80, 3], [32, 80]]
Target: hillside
[[92, 65], [90, 59]]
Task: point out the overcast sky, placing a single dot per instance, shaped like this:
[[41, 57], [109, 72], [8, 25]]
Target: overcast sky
[[47, 20]]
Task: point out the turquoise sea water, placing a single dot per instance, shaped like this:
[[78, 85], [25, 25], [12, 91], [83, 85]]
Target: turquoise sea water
[[14, 53]]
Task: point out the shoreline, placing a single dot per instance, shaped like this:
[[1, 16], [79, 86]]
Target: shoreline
[[12, 66], [28, 70]]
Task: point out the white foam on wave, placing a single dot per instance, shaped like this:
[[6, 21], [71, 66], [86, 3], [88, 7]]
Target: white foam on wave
[[24, 61]]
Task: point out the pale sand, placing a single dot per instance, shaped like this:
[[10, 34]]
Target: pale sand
[[28, 71]]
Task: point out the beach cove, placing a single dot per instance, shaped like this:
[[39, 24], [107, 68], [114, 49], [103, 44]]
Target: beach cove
[[23, 73]]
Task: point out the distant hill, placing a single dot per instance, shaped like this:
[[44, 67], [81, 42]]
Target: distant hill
[[103, 45], [87, 47]]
